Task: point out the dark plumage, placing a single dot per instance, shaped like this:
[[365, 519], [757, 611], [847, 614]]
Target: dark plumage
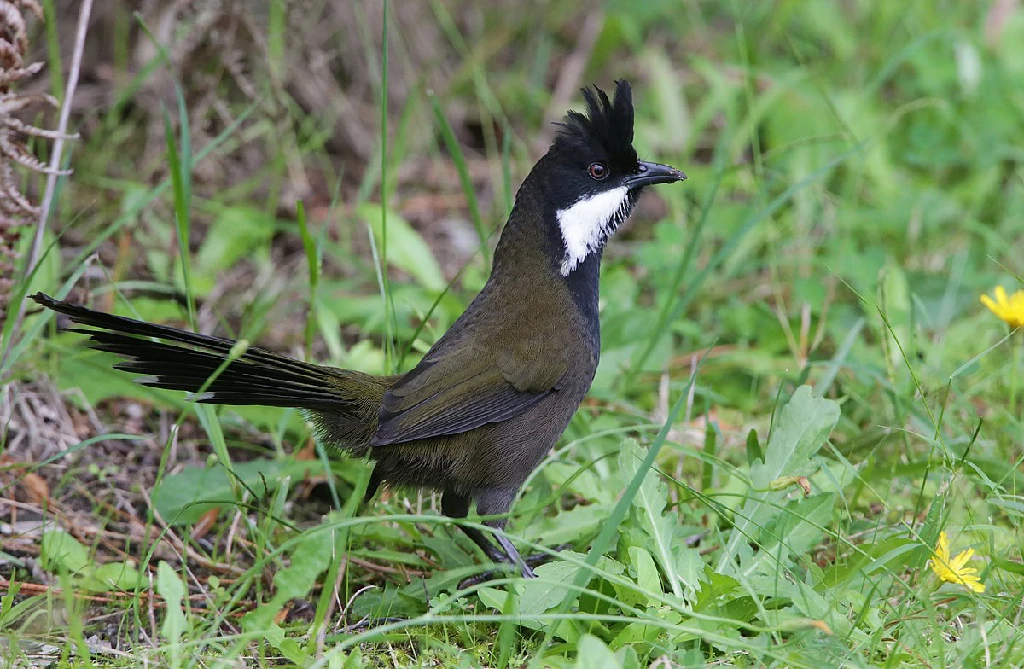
[[492, 396], [606, 124]]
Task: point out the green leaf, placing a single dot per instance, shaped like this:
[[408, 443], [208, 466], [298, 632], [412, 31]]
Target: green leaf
[[406, 249], [498, 599], [578, 523], [647, 576], [754, 454], [354, 660], [310, 557], [799, 432], [645, 572], [183, 497], [649, 504], [170, 587], [793, 531], [541, 594], [237, 232], [592, 652], [112, 577], [545, 593], [507, 630], [288, 647], [59, 551]]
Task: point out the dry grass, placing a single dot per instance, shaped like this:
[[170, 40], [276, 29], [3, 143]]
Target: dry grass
[[16, 208]]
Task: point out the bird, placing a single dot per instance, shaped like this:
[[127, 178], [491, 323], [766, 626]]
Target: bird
[[493, 395]]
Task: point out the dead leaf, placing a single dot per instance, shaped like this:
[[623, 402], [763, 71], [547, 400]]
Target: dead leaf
[[36, 489], [204, 524]]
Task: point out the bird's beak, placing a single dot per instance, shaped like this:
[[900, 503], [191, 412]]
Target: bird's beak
[[648, 174]]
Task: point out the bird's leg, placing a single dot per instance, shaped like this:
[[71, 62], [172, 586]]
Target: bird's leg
[[497, 503], [456, 506], [373, 485]]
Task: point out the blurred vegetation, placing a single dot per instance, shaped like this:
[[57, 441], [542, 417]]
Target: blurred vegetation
[[855, 173]]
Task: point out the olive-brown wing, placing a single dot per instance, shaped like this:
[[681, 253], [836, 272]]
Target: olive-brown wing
[[467, 384]]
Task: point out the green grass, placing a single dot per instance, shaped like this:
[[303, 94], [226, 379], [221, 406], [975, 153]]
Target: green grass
[[805, 305]]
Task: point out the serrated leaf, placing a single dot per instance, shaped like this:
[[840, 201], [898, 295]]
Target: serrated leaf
[[649, 503], [498, 600], [546, 592], [579, 522], [793, 531], [799, 432], [310, 557], [539, 595], [689, 566]]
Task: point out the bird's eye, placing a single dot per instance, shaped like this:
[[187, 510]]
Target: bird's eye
[[598, 171]]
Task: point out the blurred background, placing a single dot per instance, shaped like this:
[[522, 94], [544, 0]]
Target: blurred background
[[855, 185]]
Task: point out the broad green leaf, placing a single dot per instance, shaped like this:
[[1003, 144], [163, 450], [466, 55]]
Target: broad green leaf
[[539, 595], [498, 600], [237, 232], [580, 522], [647, 576], [59, 551], [592, 652], [407, 600], [643, 633], [289, 647], [546, 592], [183, 497], [112, 577], [353, 661], [406, 249]]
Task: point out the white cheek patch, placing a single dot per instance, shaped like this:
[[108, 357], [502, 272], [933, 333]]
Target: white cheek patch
[[587, 223]]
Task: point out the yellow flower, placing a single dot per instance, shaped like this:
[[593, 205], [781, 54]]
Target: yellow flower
[[1010, 309], [955, 570]]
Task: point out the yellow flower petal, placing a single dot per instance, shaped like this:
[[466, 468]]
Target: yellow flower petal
[[957, 563], [955, 570], [1010, 310]]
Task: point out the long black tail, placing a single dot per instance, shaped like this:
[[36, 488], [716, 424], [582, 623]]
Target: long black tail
[[256, 377]]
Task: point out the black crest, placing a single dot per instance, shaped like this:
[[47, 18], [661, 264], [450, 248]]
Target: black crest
[[607, 124]]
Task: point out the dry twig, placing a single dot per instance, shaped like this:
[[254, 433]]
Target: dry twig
[[13, 150]]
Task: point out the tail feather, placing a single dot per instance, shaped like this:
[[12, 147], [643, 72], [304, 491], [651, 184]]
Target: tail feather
[[193, 363]]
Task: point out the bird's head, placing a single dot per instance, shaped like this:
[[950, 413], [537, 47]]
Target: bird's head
[[591, 174]]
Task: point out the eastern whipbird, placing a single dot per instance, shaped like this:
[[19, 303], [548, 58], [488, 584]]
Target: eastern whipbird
[[492, 396]]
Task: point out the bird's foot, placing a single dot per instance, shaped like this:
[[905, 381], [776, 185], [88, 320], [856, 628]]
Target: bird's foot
[[502, 568]]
